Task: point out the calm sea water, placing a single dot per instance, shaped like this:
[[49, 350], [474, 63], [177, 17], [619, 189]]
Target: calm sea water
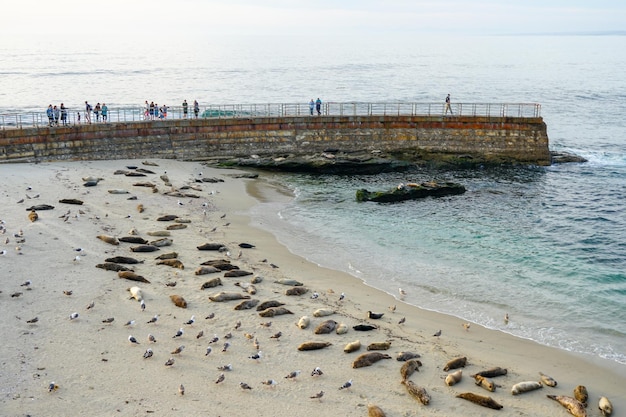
[[547, 245]]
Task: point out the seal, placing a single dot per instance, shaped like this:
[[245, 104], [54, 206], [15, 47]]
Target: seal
[[167, 218], [375, 411], [135, 292], [256, 279], [352, 346], [491, 373], [417, 392], [409, 367], [112, 266], [342, 328], [364, 327], [454, 377], [267, 304], [274, 311], [547, 380], [92, 178], [144, 248], [485, 383], [171, 255], [174, 263], [132, 276], [212, 283], [210, 246], [290, 282], [123, 260], [118, 191], [159, 233], [176, 226], [480, 400], [379, 345], [303, 323], [580, 393], [325, 327], [605, 406], [204, 270], [233, 273], [374, 316], [296, 291], [159, 243], [246, 304], [227, 296], [575, 407], [313, 345], [178, 301], [525, 386], [368, 359], [405, 356], [109, 239], [323, 312], [455, 363], [133, 239], [71, 201]]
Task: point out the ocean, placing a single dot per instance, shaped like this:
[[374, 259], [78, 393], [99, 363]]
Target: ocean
[[545, 245]]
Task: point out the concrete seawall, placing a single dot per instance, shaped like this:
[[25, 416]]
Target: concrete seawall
[[493, 139]]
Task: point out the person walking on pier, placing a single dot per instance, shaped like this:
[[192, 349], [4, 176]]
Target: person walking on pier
[[318, 106], [312, 106], [447, 107], [87, 112]]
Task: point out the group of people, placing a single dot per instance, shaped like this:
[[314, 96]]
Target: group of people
[[152, 111], [315, 105], [98, 111], [54, 113], [196, 109]]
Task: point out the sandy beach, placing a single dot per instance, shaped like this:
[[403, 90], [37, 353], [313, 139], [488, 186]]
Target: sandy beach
[[53, 365]]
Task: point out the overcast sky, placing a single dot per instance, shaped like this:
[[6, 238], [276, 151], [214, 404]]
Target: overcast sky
[[291, 17]]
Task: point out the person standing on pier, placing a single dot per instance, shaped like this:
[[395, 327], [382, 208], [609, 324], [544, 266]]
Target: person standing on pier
[[105, 112], [50, 115], [447, 107], [63, 114], [312, 106], [196, 108], [96, 111], [185, 109], [318, 106], [87, 112], [56, 113]]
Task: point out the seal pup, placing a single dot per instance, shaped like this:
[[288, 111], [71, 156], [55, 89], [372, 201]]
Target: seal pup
[[455, 363], [227, 296], [547, 380], [525, 386], [274, 311], [304, 322], [454, 377], [136, 293], [178, 301], [352, 346], [480, 400], [220, 378], [605, 406], [342, 328], [368, 359], [409, 367], [123, 260], [322, 312], [575, 407], [485, 383], [33, 216], [417, 392], [375, 411], [580, 393]]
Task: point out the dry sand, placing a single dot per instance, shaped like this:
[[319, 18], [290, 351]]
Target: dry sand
[[99, 372]]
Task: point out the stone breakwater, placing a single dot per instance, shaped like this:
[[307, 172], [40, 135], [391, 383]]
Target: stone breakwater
[[457, 138]]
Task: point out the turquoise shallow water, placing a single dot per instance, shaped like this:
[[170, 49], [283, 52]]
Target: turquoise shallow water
[[547, 245]]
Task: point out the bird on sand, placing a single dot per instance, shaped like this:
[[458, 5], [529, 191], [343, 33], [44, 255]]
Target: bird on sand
[[346, 384], [437, 333], [293, 375], [319, 395]]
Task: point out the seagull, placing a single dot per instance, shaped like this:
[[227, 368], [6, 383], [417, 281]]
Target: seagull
[[342, 296], [68, 292], [437, 333], [143, 305], [228, 367], [132, 339], [266, 324], [151, 338], [26, 283], [130, 323], [374, 316], [91, 305], [178, 333], [33, 320], [276, 336], [256, 356], [220, 378], [3, 252], [243, 385], [169, 362], [73, 316], [148, 354], [319, 395], [314, 295], [317, 372], [228, 335], [200, 334], [208, 351], [269, 383], [506, 318], [238, 324], [178, 350], [402, 320], [181, 389], [210, 316], [346, 385], [192, 320], [293, 375], [77, 258], [52, 387], [108, 320], [402, 292], [226, 346], [180, 203], [214, 340]]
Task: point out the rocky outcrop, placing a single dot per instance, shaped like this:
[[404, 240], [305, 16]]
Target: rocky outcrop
[[565, 157], [411, 191]]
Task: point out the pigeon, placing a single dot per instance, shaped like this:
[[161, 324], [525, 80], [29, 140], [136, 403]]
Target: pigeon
[[266, 324], [200, 334], [33, 320], [237, 325], [346, 385], [108, 320], [226, 346], [210, 316], [151, 338], [214, 340], [91, 305], [153, 319], [276, 336], [402, 320], [228, 367], [374, 316], [26, 283], [208, 351]]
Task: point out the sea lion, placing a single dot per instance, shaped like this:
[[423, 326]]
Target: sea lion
[[379, 345], [409, 367], [368, 359], [210, 246], [176, 226], [313, 345], [112, 266], [135, 292], [547, 380], [159, 233], [454, 377], [166, 218], [171, 255], [375, 411], [325, 327], [352, 346], [303, 323], [211, 283], [109, 239], [178, 301], [364, 327], [605, 406], [267, 304], [455, 363], [159, 243], [575, 407], [274, 311], [227, 296], [236, 273], [144, 248], [417, 392], [247, 304], [480, 400], [341, 328], [133, 239], [132, 276], [123, 260], [203, 270], [525, 386], [291, 282], [71, 201], [405, 356], [485, 383], [296, 291], [490, 373], [118, 191], [323, 312], [174, 263], [580, 393]]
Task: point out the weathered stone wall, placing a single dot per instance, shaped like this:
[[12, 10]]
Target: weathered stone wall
[[500, 139]]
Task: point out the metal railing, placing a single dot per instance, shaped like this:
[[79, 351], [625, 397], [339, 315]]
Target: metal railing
[[138, 114]]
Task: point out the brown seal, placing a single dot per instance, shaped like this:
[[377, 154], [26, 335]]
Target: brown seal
[[454, 377], [171, 255], [375, 411], [580, 393], [132, 276], [227, 296], [167, 218], [144, 248], [237, 273], [174, 263], [405, 356], [123, 260], [485, 383], [368, 359], [133, 239], [296, 291], [379, 345], [325, 327], [178, 301], [480, 400], [575, 407], [490, 373], [455, 363], [211, 283], [408, 368], [109, 239], [210, 246], [417, 392], [112, 266], [246, 304], [203, 270], [274, 311], [176, 226], [267, 304], [159, 243], [547, 380], [313, 345]]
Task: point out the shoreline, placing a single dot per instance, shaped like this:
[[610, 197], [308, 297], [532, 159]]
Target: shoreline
[[62, 350]]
